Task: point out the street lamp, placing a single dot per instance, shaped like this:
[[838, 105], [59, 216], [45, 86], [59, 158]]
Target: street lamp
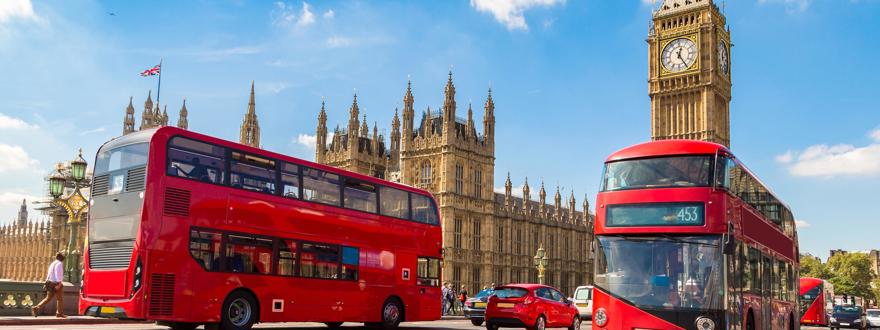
[[75, 204], [541, 261]]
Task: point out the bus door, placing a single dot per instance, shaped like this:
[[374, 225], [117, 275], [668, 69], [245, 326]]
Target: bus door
[[766, 293]]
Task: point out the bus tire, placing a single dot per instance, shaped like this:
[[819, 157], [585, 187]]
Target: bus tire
[[240, 311], [491, 326], [477, 322], [333, 325], [392, 314]]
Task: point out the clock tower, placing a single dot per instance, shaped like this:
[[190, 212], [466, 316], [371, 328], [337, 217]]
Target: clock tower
[[689, 72]]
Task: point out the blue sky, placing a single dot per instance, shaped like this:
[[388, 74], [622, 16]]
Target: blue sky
[[568, 79]]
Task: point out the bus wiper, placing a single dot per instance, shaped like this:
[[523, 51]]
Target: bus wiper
[[680, 240]]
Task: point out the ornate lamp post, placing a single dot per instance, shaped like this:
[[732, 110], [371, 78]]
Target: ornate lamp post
[[541, 261], [74, 203]]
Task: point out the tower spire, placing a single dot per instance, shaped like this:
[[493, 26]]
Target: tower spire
[[250, 127], [182, 120], [22, 213], [321, 132], [147, 115], [128, 121]]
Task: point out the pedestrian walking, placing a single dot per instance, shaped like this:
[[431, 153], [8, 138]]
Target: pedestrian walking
[[443, 300], [53, 287], [450, 300], [462, 297]]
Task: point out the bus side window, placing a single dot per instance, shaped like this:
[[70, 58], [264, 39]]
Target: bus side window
[[423, 209], [205, 248], [321, 187], [394, 202], [252, 173], [246, 254], [360, 196], [319, 261], [290, 180], [196, 160], [287, 254], [428, 271], [350, 262]]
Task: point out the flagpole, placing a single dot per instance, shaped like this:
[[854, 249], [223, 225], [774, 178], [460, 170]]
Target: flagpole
[[159, 89]]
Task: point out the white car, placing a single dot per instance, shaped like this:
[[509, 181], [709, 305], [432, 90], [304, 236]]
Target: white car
[[873, 316], [583, 300]]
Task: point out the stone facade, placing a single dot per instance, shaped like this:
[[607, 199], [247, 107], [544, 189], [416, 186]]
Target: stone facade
[[151, 116], [488, 237], [689, 79], [28, 246]]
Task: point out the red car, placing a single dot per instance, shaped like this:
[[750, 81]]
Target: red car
[[530, 306]]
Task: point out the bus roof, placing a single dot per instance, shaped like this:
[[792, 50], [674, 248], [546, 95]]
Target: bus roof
[[667, 148], [146, 135]]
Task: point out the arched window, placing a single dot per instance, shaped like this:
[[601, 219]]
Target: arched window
[[425, 174]]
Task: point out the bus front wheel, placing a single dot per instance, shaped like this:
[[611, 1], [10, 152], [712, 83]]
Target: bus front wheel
[[239, 311], [392, 314]]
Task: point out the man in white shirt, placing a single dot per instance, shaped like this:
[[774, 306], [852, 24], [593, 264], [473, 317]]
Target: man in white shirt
[[53, 287]]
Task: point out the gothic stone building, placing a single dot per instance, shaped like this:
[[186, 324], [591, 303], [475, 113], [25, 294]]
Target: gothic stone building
[[488, 237]]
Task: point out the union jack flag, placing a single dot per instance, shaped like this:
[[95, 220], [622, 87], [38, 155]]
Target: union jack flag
[[154, 71]]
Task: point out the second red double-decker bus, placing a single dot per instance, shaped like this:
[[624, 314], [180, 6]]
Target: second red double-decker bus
[[187, 229], [816, 300], [688, 238]]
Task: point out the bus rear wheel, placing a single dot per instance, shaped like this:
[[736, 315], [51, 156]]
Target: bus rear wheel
[[333, 325], [392, 314], [239, 311]]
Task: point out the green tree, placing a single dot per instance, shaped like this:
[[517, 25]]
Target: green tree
[[813, 267], [851, 274]]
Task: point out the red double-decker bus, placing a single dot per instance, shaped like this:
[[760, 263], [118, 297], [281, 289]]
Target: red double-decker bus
[[817, 301], [688, 238], [188, 229]]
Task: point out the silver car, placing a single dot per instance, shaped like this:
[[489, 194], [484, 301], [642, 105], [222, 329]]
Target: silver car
[[475, 307], [873, 317]]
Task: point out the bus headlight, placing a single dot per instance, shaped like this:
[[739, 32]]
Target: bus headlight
[[705, 323], [601, 318]]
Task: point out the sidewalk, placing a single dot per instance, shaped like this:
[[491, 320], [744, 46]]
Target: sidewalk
[[51, 320]]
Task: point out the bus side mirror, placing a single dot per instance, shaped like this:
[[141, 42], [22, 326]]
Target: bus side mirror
[[729, 245]]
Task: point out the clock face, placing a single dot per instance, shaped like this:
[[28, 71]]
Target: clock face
[[723, 58], [679, 55]]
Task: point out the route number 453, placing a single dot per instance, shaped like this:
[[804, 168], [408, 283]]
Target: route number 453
[[688, 214]]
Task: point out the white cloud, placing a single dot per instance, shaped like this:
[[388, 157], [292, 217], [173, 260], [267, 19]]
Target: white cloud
[[802, 224], [272, 87], [791, 6], [306, 16], [101, 129], [785, 158], [875, 134], [339, 42], [329, 14], [8, 198], [824, 160], [7, 122], [286, 15], [10, 9], [14, 158], [309, 141], [510, 12]]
